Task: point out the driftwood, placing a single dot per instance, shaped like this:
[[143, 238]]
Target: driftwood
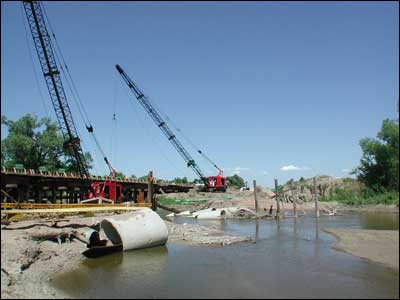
[[174, 210], [61, 237]]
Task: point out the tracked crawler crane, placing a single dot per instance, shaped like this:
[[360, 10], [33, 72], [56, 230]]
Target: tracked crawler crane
[[211, 183], [51, 73]]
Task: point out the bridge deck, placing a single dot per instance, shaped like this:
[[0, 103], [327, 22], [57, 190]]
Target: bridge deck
[[37, 186]]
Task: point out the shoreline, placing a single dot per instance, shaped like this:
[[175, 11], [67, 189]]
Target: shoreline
[[287, 207], [377, 246]]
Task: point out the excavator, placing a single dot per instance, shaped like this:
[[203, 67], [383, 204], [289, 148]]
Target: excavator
[[211, 183], [108, 189]]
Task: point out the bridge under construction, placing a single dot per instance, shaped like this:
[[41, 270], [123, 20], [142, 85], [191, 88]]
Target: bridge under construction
[[30, 186]]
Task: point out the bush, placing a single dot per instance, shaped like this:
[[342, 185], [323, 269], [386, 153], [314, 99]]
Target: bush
[[364, 196], [235, 181]]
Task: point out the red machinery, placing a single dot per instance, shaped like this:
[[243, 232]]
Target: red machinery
[[107, 189], [217, 182]]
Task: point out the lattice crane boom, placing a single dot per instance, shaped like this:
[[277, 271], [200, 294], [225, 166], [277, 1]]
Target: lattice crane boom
[[145, 102], [47, 59]]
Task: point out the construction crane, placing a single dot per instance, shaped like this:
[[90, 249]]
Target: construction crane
[[211, 183], [47, 59]]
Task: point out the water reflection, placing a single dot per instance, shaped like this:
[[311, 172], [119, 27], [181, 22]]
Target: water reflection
[[317, 243], [278, 225], [287, 254], [257, 229], [119, 269], [316, 229], [380, 221], [108, 261]]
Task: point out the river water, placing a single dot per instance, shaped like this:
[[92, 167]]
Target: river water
[[291, 258]]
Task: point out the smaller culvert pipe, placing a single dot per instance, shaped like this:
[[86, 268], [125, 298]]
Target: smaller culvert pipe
[[211, 214]]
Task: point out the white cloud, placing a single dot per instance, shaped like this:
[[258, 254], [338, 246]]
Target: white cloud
[[241, 169], [290, 168], [236, 169], [346, 170], [293, 168]]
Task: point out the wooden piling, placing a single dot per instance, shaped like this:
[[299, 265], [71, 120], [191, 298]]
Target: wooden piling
[[255, 195], [315, 197], [150, 188], [278, 207], [140, 196]]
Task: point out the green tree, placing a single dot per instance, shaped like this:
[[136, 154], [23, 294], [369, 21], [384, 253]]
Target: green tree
[[379, 165], [34, 143], [179, 180], [302, 184], [119, 175], [69, 161], [235, 181], [197, 180]]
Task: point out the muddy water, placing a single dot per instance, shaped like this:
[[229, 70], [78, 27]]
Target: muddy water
[[288, 259]]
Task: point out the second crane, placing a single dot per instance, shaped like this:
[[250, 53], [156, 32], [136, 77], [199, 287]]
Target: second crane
[[211, 183]]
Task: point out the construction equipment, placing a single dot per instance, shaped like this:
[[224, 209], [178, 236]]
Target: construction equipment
[[47, 58], [211, 183]]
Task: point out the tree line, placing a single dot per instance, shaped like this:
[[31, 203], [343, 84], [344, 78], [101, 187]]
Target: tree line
[[36, 143]]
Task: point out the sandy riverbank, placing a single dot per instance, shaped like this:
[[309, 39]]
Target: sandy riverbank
[[381, 246], [30, 255]]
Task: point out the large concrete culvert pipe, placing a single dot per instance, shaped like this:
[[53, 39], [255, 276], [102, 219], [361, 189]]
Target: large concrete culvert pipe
[[136, 230]]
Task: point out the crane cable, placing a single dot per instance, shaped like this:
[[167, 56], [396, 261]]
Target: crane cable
[[141, 122], [67, 72], [114, 138], [185, 137], [59, 62], [74, 91], [33, 65]]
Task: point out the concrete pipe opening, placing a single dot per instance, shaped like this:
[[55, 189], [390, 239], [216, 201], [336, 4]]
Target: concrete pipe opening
[[136, 230], [111, 232]]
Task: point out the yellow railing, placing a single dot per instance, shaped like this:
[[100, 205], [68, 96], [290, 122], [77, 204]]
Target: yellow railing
[[54, 206]]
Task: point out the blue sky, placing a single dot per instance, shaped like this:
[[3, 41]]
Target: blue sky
[[266, 89]]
